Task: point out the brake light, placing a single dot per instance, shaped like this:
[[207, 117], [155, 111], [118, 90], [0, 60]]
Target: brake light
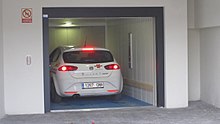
[[67, 68], [112, 67], [87, 49]]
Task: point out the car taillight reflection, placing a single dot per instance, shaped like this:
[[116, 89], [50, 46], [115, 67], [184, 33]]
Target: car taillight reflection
[[112, 67], [67, 68]]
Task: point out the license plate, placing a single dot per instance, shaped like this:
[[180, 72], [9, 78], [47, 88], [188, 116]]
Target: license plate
[[92, 85]]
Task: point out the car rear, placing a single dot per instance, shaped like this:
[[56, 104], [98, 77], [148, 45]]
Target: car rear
[[88, 72]]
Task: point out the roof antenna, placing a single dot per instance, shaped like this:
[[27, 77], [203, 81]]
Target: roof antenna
[[85, 42]]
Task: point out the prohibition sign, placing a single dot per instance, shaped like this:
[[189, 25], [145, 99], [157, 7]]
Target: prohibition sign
[[26, 14]]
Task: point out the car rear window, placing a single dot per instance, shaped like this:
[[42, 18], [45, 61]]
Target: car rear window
[[96, 56]]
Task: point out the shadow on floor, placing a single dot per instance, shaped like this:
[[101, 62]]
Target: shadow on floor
[[97, 102]]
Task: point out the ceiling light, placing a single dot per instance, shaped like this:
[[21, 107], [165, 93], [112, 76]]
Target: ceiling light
[[68, 24]]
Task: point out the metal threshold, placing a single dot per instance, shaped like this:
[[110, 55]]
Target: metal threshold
[[100, 109]]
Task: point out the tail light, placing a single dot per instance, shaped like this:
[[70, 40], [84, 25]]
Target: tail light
[[67, 68], [112, 67]]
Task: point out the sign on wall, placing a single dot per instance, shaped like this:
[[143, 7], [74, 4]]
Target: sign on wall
[[26, 15]]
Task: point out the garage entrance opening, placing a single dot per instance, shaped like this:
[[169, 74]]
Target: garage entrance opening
[[133, 42]]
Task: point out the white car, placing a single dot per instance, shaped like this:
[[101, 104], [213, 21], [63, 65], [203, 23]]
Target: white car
[[84, 72]]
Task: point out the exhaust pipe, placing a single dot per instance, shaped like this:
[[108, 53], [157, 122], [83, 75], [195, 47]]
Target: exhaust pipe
[[76, 96]]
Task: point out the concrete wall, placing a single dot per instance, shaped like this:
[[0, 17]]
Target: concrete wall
[[26, 39], [144, 53], [2, 107], [208, 22]]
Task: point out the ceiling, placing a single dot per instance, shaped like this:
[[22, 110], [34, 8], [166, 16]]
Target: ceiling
[[78, 22], [61, 22]]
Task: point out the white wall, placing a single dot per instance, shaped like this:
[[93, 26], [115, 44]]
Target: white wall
[[191, 13], [23, 84], [144, 62], [208, 22], [194, 54], [94, 36], [23, 39], [194, 64], [210, 65], [207, 13], [176, 54], [2, 107]]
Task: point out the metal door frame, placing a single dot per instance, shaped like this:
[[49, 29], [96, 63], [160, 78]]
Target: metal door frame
[[88, 12]]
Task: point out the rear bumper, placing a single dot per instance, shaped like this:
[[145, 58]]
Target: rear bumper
[[67, 87], [94, 94], [108, 89]]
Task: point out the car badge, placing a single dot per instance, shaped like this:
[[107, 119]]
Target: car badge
[[91, 68], [98, 66]]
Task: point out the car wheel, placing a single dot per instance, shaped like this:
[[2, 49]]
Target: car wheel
[[53, 94]]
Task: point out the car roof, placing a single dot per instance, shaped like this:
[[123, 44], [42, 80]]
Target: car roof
[[72, 48]]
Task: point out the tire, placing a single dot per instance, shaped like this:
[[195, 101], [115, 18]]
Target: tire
[[53, 94]]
